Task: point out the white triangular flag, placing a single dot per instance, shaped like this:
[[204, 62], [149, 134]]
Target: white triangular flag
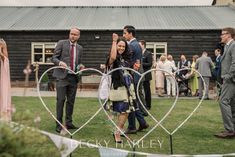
[[107, 152], [65, 145], [211, 155], [158, 155]]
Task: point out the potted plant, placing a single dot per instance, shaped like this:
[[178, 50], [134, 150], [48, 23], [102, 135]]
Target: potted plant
[[44, 83]]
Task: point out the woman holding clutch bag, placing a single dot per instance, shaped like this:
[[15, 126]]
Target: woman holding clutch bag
[[120, 56], [5, 85]]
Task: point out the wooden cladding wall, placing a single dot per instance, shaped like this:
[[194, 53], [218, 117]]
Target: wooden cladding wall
[[95, 50], [188, 43]]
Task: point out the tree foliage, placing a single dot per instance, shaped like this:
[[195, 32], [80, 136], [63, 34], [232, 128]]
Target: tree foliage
[[19, 141]]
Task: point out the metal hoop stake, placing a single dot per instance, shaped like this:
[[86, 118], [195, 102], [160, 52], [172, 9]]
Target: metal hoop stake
[[71, 137], [171, 144], [134, 150]]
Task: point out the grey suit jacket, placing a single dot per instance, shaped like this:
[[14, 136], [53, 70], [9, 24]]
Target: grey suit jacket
[[62, 53], [228, 62], [204, 66]]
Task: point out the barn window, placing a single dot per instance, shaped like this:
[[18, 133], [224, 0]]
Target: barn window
[[42, 52], [157, 49]]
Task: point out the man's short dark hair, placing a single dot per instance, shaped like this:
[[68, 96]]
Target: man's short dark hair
[[130, 29], [143, 43]]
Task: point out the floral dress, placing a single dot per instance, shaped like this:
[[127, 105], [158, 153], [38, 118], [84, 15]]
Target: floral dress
[[122, 78]]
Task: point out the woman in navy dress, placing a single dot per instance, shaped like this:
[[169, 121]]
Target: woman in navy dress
[[120, 56]]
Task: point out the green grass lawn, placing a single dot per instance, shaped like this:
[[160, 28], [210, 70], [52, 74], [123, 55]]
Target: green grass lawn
[[195, 137]]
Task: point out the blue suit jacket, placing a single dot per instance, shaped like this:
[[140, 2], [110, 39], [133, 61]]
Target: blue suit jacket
[[135, 50], [136, 55], [217, 70]]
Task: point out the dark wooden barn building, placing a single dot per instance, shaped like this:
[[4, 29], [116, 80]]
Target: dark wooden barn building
[[32, 32]]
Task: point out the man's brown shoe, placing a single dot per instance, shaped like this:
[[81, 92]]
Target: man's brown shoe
[[225, 134], [71, 126], [143, 127], [128, 131], [58, 129]]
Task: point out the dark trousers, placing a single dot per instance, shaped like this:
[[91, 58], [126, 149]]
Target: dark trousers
[[147, 93], [66, 90], [137, 114], [131, 119]]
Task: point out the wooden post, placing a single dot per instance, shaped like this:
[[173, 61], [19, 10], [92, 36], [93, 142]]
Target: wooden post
[[36, 65], [27, 71]]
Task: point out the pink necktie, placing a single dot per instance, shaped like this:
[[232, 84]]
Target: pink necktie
[[72, 57]]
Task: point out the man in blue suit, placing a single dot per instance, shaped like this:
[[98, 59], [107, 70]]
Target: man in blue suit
[[217, 70], [129, 35]]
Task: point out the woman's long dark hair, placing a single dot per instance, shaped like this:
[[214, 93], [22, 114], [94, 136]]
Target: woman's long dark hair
[[123, 59], [126, 55]]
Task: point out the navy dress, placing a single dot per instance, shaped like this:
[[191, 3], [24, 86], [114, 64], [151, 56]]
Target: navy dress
[[120, 79]]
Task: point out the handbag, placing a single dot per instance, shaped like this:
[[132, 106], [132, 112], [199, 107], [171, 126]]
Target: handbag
[[119, 94], [104, 87]]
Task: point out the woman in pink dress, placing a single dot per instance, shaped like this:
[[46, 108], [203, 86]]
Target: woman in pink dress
[[5, 84]]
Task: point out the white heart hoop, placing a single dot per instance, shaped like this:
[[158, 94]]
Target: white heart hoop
[[158, 123], [106, 100], [49, 111], [198, 105]]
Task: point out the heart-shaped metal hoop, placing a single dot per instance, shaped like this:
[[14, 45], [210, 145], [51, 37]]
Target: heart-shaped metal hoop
[[48, 110], [158, 123]]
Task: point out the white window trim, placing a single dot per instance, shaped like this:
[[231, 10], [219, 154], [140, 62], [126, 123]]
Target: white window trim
[[43, 62], [156, 45]]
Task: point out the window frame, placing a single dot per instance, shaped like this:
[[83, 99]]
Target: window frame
[[43, 46], [154, 46]]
